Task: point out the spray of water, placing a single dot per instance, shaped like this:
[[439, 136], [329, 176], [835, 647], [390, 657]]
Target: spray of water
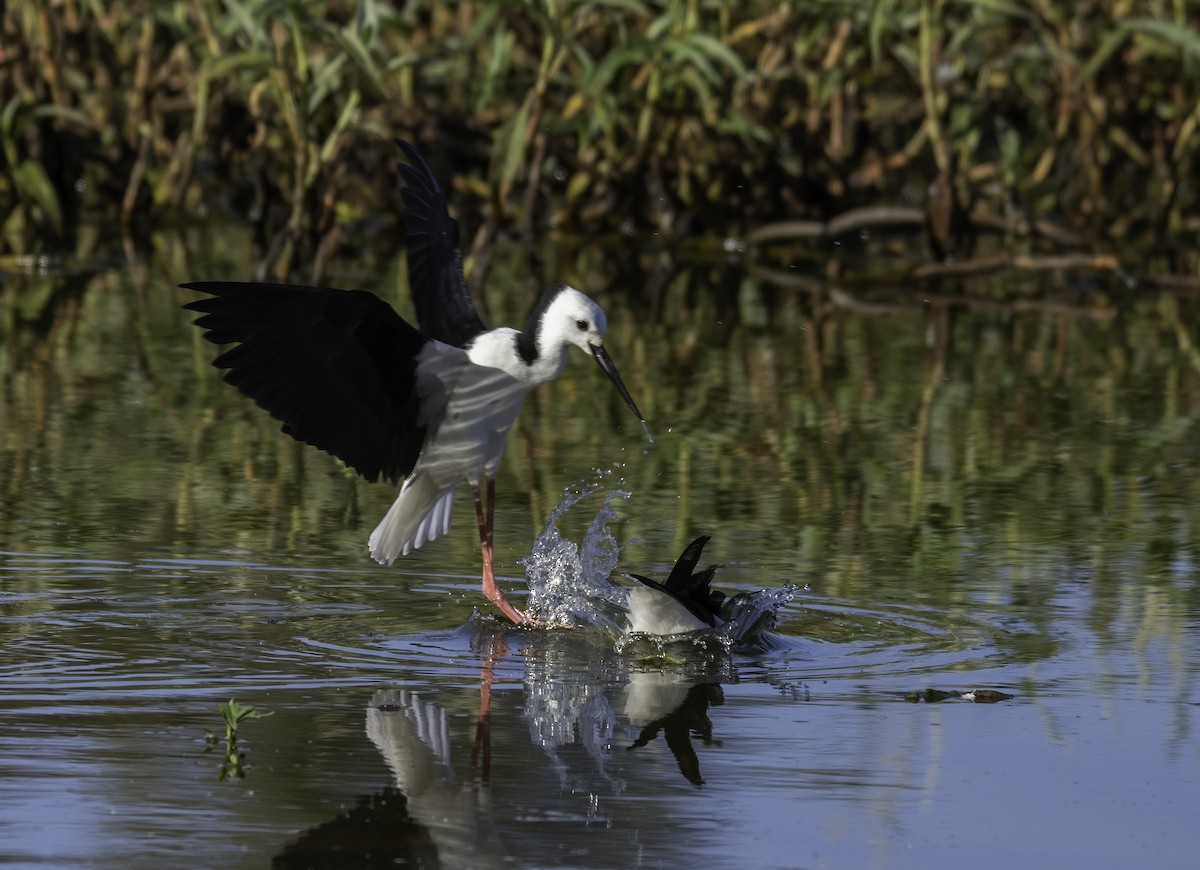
[[571, 584]]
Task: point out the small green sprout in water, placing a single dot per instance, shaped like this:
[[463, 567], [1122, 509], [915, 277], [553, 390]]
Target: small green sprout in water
[[233, 765], [234, 713]]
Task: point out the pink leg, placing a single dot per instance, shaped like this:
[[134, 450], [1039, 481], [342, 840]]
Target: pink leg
[[490, 589]]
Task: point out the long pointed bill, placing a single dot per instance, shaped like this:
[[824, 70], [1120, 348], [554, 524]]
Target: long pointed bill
[[605, 362]]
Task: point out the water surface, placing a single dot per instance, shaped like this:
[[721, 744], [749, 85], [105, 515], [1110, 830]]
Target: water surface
[[967, 496]]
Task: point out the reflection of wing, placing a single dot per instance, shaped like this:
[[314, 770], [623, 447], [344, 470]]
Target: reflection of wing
[[687, 717], [679, 741], [435, 274], [337, 367], [413, 737]]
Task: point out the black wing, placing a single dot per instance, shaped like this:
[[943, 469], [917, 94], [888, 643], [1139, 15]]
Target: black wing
[[435, 272], [682, 579], [689, 587], [337, 367]]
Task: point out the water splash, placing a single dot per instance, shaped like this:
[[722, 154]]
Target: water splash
[[571, 585], [750, 615]]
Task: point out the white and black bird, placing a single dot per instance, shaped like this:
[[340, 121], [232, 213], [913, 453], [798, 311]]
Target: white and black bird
[[686, 602], [432, 407]]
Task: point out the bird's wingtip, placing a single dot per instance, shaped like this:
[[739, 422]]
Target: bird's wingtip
[[413, 158], [203, 302], [213, 288]]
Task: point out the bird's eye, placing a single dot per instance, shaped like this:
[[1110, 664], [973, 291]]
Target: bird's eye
[[582, 324]]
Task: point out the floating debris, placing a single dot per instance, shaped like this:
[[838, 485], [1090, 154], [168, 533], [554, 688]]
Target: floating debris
[[977, 696]]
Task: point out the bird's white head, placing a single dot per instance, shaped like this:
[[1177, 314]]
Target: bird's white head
[[571, 317], [566, 317]]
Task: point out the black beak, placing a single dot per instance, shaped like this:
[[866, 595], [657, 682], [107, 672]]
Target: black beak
[[605, 362]]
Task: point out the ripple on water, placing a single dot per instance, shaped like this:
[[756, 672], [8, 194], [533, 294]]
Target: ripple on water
[[904, 647]]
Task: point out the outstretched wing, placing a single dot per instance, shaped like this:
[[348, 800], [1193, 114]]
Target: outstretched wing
[[435, 272], [337, 367]]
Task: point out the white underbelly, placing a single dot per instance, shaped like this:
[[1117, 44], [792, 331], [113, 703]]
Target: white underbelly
[[654, 612]]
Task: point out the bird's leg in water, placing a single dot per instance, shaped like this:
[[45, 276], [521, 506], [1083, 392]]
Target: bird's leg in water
[[493, 592]]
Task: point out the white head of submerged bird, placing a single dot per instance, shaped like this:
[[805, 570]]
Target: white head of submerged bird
[[345, 373]]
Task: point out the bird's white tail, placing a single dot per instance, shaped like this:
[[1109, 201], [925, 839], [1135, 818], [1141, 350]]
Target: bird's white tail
[[419, 514]]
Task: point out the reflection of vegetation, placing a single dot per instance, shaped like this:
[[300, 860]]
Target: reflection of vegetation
[[953, 456], [626, 113], [939, 456], [233, 761]]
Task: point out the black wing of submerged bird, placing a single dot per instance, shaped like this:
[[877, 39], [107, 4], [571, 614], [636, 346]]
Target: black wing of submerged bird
[[337, 367], [435, 270], [689, 587]]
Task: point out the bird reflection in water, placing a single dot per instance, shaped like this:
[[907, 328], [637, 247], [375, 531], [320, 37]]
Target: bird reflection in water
[[680, 713], [494, 786]]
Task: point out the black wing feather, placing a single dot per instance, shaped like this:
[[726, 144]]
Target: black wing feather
[[435, 271], [681, 578], [691, 588], [336, 367]]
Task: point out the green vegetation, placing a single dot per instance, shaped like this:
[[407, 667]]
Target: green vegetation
[[233, 759], [683, 117]]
